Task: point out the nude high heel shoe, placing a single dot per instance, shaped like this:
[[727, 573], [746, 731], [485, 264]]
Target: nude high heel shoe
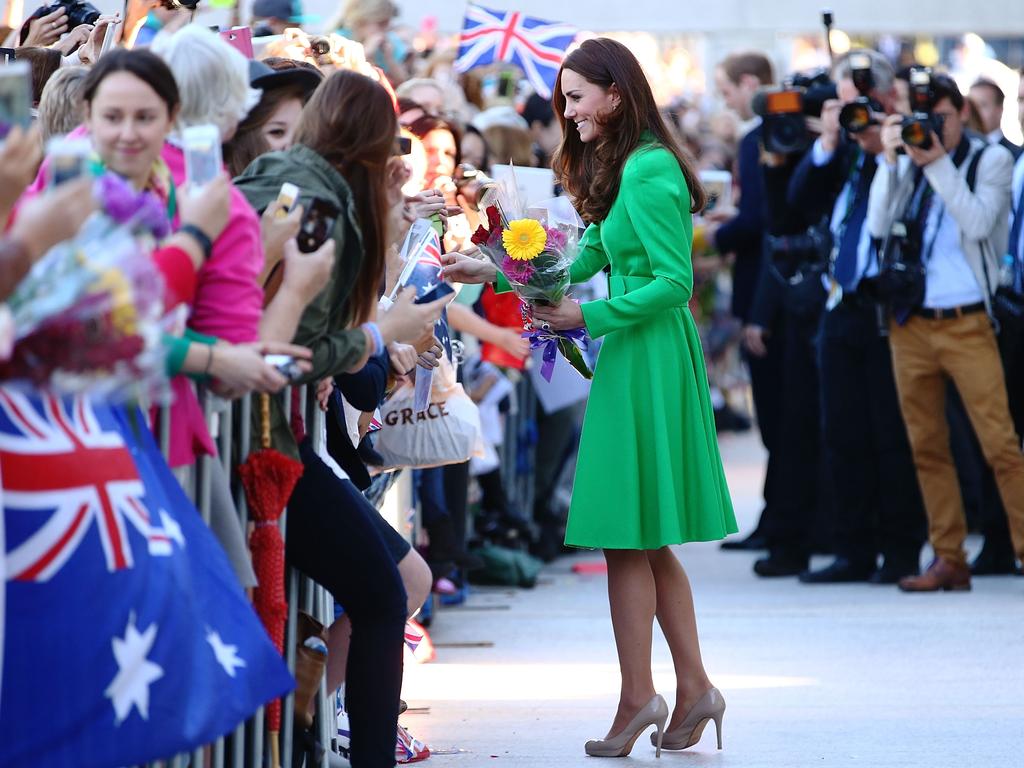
[[619, 745], [710, 707]]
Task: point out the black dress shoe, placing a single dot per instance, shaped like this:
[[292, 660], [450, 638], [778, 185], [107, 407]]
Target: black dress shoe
[[894, 569], [989, 564], [842, 571], [776, 565], [754, 542]]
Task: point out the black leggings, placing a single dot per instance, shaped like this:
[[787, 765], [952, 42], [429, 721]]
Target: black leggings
[[332, 537]]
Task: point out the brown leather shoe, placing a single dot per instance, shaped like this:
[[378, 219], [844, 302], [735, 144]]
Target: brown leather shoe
[[942, 575]]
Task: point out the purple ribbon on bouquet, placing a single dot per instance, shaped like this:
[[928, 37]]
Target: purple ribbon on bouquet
[[549, 341]]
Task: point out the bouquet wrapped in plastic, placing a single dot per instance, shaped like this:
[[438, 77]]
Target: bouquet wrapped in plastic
[[534, 249], [87, 317]]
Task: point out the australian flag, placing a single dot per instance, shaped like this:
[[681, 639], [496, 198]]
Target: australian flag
[[534, 45], [126, 636]]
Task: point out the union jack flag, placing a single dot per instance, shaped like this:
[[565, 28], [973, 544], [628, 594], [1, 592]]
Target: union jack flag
[[89, 478], [534, 45]]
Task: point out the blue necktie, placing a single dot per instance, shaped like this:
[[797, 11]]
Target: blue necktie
[[1015, 247], [846, 272]]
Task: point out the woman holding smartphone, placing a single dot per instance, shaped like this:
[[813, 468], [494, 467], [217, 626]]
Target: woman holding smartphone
[[664, 483], [334, 534]]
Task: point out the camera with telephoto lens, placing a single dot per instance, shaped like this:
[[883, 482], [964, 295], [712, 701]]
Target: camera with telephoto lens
[[78, 12], [784, 111], [918, 127], [861, 113]]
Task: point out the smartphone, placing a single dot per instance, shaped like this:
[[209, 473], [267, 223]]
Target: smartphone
[[109, 36], [69, 159], [203, 161], [317, 224], [15, 97], [287, 197], [7, 55], [239, 38], [286, 365]]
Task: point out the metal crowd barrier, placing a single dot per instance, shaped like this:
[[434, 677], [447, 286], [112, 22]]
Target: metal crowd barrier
[[249, 745]]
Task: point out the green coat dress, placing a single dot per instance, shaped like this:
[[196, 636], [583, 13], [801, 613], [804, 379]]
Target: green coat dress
[[649, 472]]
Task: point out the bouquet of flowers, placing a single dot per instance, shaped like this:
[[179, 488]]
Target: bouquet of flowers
[[87, 316], [534, 249]]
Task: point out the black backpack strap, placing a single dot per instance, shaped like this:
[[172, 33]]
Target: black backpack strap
[[972, 169]]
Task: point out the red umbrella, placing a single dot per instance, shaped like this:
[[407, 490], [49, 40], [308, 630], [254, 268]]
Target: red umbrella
[[269, 477]]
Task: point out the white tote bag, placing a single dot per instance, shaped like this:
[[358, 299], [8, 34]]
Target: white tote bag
[[448, 432]]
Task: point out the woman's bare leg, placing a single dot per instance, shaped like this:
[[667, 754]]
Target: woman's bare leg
[[631, 597], [679, 623]]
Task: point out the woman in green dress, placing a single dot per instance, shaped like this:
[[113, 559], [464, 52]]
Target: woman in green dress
[[649, 473]]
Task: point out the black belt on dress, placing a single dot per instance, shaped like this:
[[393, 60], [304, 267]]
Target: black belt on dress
[[951, 312]]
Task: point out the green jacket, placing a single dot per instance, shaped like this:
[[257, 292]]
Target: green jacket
[[324, 326]]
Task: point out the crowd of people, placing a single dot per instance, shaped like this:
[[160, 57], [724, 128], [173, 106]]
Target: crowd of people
[[876, 274], [863, 281]]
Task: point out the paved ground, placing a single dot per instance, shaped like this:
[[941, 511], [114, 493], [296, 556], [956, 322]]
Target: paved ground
[[813, 676]]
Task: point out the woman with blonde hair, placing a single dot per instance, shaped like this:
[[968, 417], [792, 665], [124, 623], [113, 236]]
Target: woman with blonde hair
[[369, 22]]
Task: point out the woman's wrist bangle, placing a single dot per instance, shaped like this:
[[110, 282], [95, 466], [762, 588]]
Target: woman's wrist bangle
[[209, 360], [378, 338], [201, 238]]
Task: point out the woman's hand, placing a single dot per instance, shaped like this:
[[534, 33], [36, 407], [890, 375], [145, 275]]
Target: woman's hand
[[49, 219], [460, 268], [431, 358], [240, 368], [512, 341], [566, 316], [425, 204], [207, 207], [306, 274], [46, 30], [323, 393], [276, 229], [20, 155], [402, 357], [409, 322], [73, 40], [91, 48]]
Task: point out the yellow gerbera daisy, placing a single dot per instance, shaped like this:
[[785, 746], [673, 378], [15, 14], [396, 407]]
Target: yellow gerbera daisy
[[524, 239]]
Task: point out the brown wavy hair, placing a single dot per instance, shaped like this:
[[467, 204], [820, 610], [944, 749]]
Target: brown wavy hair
[[350, 121], [591, 172]]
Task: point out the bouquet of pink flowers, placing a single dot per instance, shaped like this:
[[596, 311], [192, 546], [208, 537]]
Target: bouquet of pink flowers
[[87, 316], [534, 250]]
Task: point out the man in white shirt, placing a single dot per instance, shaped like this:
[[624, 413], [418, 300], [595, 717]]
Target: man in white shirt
[[964, 233]]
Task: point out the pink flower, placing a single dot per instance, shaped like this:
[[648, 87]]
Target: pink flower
[[517, 271], [557, 240]]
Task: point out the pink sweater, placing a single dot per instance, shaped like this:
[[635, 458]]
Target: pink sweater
[[229, 299]]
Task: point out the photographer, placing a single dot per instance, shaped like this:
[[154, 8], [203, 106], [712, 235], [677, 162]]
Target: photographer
[[741, 233], [944, 208], [878, 503]]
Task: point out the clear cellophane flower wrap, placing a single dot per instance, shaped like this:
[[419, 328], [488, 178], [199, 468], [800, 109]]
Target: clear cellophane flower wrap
[[87, 317], [534, 248]]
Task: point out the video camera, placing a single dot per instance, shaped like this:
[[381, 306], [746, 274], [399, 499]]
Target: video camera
[[861, 113], [918, 127], [785, 110]]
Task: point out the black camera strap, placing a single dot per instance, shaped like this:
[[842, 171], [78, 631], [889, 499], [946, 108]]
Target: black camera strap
[[963, 149]]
